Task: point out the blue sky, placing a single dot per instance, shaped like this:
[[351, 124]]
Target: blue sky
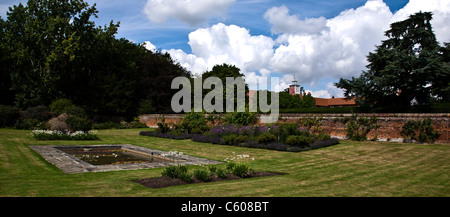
[[317, 41], [247, 13]]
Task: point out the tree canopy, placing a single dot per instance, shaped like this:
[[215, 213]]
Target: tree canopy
[[409, 68], [51, 49]]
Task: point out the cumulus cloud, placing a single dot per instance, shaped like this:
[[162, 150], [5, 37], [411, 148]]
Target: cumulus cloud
[[149, 46], [339, 51], [282, 22], [312, 49], [192, 12], [229, 44]]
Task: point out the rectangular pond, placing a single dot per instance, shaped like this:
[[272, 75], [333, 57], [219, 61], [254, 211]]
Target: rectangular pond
[[110, 155], [101, 158]]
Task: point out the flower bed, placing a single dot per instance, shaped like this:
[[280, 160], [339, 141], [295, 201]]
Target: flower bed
[[60, 135], [283, 137]]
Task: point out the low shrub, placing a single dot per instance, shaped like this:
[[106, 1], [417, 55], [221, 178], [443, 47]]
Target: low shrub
[[241, 170], [202, 174], [59, 106], [175, 171], [221, 173], [229, 139], [40, 113], [186, 177], [60, 135], [266, 138], [240, 139], [76, 123], [298, 140], [8, 115]]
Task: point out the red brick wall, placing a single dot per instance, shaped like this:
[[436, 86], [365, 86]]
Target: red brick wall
[[390, 123]]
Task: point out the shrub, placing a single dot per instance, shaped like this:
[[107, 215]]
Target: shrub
[[230, 165], [27, 124], [241, 170], [40, 113], [75, 111], [229, 139], [358, 128], [59, 123], [58, 106], [241, 118], [240, 139], [185, 177], [8, 115], [194, 120], [298, 140], [421, 131], [266, 138], [146, 107], [221, 173], [76, 123], [174, 171], [202, 174]]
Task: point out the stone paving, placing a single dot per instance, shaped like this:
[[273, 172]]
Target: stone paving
[[71, 164]]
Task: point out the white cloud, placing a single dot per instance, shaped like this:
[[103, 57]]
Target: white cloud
[[282, 22], [229, 44], [312, 49], [149, 46], [192, 12], [441, 15], [339, 51]]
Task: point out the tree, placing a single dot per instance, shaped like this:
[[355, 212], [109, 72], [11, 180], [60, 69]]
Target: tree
[[157, 70], [222, 72], [403, 69]]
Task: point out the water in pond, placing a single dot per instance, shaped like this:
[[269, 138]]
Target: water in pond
[[111, 155]]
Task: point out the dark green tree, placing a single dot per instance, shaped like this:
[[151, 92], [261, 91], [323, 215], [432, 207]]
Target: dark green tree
[[41, 38], [222, 72], [403, 69]]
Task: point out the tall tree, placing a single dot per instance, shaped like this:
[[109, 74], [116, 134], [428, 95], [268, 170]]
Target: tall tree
[[42, 37], [403, 69], [223, 72]]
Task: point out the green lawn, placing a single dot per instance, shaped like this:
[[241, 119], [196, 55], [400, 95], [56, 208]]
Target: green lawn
[[348, 169]]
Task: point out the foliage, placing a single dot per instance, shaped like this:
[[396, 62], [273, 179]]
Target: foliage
[[202, 174], [222, 72], [221, 173], [44, 46], [8, 115], [241, 118], [175, 171], [298, 140], [405, 69], [194, 120], [358, 128], [419, 130], [162, 125], [76, 123], [59, 106], [312, 123], [146, 107], [60, 135], [266, 138], [40, 113]]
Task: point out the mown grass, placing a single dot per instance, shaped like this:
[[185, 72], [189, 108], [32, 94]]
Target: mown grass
[[348, 169]]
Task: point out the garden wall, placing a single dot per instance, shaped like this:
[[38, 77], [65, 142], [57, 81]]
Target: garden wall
[[390, 123]]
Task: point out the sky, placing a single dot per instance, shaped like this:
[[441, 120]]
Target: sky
[[317, 41]]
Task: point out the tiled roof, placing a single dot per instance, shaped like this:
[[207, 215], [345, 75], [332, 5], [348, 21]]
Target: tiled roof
[[334, 102]]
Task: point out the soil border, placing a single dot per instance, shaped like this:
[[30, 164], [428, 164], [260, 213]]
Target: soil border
[[165, 181]]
